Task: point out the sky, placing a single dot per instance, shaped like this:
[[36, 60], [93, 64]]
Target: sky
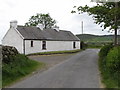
[[60, 10]]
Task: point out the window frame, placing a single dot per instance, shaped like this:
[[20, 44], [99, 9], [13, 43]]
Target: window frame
[[44, 45], [74, 45], [31, 44]]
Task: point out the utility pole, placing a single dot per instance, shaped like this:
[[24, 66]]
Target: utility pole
[[82, 26]]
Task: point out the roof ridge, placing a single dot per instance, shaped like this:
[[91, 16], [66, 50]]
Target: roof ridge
[[32, 32], [26, 26], [65, 30]]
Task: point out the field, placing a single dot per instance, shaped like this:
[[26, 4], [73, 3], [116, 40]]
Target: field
[[95, 40]]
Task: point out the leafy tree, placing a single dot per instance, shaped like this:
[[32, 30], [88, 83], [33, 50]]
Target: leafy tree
[[107, 14], [44, 19]]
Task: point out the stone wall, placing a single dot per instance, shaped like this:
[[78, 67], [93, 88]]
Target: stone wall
[[7, 53]]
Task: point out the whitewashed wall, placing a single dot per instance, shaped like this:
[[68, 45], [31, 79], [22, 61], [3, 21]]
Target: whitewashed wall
[[12, 38], [50, 46], [37, 46], [61, 45], [77, 44]]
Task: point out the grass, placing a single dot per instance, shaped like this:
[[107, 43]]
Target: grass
[[18, 68], [98, 47], [106, 77], [109, 81], [56, 52], [95, 41]]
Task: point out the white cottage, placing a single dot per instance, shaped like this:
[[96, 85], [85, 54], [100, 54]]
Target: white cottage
[[36, 39]]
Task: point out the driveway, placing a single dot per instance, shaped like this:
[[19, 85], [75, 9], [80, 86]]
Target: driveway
[[78, 71]]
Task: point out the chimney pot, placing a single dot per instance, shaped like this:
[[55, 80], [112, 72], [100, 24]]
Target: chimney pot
[[41, 26], [56, 28]]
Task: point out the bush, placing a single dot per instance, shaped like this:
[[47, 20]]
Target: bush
[[109, 64], [113, 60], [83, 45], [113, 65], [102, 54], [104, 50]]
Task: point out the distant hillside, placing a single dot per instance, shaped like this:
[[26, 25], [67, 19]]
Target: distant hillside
[[95, 38]]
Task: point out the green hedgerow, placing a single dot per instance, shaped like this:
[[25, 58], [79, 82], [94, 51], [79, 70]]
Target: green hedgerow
[[104, 50], [109, 64], [113, 60]]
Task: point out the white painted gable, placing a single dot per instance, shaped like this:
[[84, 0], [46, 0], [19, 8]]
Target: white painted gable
[[13, 38]]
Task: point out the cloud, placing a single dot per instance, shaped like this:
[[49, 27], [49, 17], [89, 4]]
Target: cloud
[[60, 10]]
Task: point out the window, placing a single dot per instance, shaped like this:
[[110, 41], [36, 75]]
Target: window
[[31, 43], [44, 45], [74, 45]]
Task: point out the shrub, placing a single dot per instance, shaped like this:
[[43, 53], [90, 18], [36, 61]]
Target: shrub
[[104, 50], [113, 65], [109, 64], [102, 54], [83, 45], [113, 60]]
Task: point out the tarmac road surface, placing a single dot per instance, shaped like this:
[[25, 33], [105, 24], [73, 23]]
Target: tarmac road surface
[[78, 71]]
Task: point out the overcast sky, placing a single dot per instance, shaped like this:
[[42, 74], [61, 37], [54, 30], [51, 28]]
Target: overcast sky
[[60, 10]]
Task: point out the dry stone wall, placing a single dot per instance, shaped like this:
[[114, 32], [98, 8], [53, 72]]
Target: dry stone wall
[[7, 53]]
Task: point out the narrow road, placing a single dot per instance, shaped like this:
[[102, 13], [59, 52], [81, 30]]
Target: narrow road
[[78, 71]]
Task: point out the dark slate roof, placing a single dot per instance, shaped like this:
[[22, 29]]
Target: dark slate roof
[[34, 33]]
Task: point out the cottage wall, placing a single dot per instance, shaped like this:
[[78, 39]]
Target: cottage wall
[[12, 38], [36, 46], [50, 46], [62, 45], [17, 38]]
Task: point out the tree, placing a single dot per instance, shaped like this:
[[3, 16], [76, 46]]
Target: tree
[[107, 14], [44, 19]]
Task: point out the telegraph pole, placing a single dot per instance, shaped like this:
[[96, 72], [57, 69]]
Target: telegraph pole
[[82, 26]]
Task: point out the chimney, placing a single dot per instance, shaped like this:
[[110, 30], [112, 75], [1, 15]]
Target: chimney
[[41, 26], [13, 24], [56, 28]]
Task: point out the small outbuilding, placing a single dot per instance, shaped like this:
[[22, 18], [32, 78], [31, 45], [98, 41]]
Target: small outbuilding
[[31, 39]]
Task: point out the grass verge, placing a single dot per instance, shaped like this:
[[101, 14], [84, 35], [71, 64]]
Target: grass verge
[[19, 67], [107, 78], [95, 47], [55, 52]]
